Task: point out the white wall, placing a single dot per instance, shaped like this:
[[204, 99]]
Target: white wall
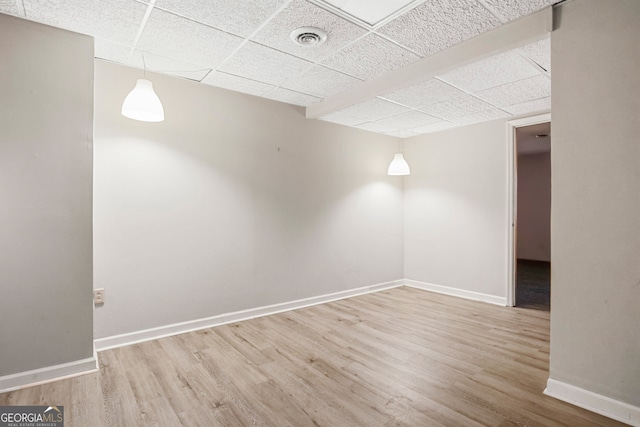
[[233, 202], [595, 216], [534, 207], [46, 119], [455, 209]]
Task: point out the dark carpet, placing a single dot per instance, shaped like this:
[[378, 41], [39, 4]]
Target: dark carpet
[[533, 285]]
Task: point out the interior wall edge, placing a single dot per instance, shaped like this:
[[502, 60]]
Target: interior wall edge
[[457, 292], [593, 402], [455, 209], [48, 374], [136, 337], [46, 259], [595, 240]]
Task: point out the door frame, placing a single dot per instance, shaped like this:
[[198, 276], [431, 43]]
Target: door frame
[[512, 198]]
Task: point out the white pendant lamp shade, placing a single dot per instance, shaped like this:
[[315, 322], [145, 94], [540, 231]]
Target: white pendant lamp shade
[[143, 104], [398, 166]]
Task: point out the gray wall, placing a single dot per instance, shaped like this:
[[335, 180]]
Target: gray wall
[[46, 119], [595, 234], [233, 202], [534, 207], [456, 208]]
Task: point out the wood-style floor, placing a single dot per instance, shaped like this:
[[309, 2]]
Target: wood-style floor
[[402, 357]]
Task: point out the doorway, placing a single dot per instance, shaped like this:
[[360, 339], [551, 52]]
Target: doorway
[[529, 211], [533, 216]]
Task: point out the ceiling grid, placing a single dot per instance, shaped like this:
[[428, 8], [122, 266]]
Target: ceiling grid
[[245, 46]]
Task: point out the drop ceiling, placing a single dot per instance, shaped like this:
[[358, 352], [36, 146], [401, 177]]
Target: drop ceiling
[[245, 46]]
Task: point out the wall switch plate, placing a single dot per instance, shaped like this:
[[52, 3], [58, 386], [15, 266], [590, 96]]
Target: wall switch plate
[[98, 296]]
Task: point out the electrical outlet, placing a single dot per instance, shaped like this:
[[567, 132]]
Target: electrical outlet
[[98, 296]]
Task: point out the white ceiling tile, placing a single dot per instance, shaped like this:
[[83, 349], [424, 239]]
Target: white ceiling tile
[[424, 93], [186, 40], [368, 11], [517, 92], [236, 17], [190, 38], [434, 127], [116, 20], [260, 63], [402, 133], [321, 81], [341, 118], [291, 97], [457, 107], [438, 24], [543, 104], [238, 84], [494, 71], [480, 116], [9, 6], [373, 109], [539, 52], [163, 65], [299, 13], [375, 127], [365, 112], [370, 57], [408, 120], [512, 9], [111, 51]]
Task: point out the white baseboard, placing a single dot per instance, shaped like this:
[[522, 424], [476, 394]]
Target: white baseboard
[[222, 319], [48, 374], [594, 402], [476, 296]]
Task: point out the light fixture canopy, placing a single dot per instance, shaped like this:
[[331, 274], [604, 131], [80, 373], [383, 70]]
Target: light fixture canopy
[[398, 166], [143, 104]]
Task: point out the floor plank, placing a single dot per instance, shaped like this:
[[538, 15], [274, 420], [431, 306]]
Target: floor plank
[[401, 357]]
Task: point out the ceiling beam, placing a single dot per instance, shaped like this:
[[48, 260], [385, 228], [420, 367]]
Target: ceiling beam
[[509, 36]]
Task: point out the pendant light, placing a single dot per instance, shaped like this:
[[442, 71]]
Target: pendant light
[[398, 165], [142, 103]]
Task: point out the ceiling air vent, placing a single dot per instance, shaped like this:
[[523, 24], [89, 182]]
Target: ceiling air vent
[[309, 36]]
